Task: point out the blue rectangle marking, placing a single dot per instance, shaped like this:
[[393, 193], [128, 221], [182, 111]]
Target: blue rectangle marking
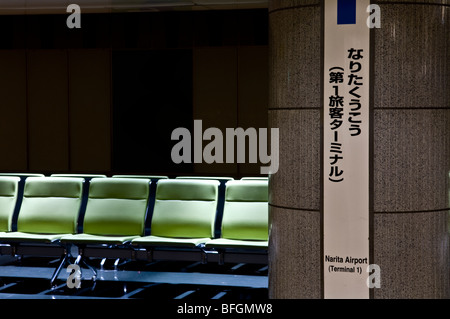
[[346, 12]]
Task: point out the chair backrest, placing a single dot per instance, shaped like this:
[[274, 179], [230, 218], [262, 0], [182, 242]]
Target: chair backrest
[[246, 210], [185, 208], [9, 187], [23, 175], [85, 176], [152, 177], [116, 206], [218, 178], [50, 205]]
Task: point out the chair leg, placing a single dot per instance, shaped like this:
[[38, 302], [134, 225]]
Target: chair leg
[[62, 263], [94, 271], [102, 264], [82, 260], [85, 262], [116, 264]]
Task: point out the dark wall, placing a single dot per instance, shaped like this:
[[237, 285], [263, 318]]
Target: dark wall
[[152, 95], [105, 98]]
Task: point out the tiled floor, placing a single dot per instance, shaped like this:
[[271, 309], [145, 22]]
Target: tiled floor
[[29, 278]]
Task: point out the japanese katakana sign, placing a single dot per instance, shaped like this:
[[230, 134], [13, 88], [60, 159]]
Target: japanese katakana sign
[[346, 120]]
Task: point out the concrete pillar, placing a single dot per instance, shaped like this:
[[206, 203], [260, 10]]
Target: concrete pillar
[[411, 148]]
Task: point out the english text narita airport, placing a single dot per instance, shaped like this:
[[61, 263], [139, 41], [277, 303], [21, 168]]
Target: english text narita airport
[[347, 260]]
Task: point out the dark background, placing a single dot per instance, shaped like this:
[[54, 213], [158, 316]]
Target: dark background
[[105, 98]]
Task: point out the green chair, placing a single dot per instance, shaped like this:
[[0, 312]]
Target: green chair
[[245, 216], [221, 197], [8, 198], [115, 213], [21, 186], [87, 181], [183, 214], [49, 210]]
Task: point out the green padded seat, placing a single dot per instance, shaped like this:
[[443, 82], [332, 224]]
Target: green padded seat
[[20, 237], [231, 243], [245, 217], [115, 212], [183, 214], [97, 239], [49, 210], [8, 197]]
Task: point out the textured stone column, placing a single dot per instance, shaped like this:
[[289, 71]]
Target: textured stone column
[[411, 147], [294, 97]]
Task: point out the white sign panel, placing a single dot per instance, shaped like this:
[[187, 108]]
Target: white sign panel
[[346, 149]]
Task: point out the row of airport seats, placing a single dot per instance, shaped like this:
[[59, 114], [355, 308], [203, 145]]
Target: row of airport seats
[[135, 217]]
